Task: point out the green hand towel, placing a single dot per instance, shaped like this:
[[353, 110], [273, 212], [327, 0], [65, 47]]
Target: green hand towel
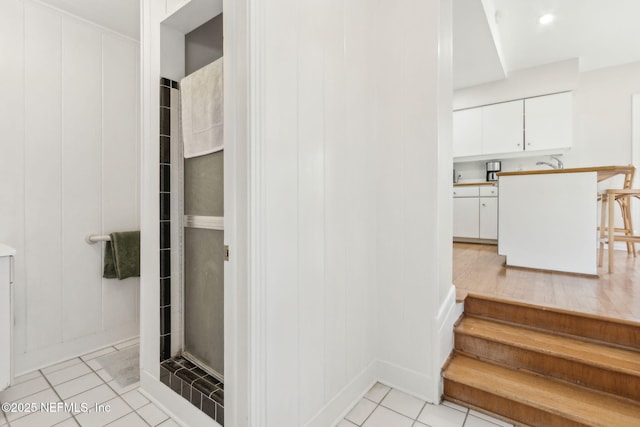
[[122, 256]]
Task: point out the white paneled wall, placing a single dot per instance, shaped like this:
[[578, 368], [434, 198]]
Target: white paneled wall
[[68, 168], [355, 148]]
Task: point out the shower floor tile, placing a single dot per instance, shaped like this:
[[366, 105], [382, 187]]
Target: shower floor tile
[[78, 381], [195, 385]]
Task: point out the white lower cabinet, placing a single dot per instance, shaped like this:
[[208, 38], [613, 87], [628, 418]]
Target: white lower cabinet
[[475, 212], [465, 217], [488, 218]]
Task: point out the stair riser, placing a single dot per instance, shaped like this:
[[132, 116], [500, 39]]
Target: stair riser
[[572, 371], [603, 330], [511, 409]]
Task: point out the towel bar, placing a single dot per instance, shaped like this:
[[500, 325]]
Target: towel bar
[[94, 238]]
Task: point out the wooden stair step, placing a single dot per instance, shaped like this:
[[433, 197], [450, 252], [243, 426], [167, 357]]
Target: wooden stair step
[[610, 369], [617, 332], [532, 399]]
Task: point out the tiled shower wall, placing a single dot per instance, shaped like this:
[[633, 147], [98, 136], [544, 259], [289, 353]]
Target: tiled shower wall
[[170, 185], [167, 89], [185, 378]]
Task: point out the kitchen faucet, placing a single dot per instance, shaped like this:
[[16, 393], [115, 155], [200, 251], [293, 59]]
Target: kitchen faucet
[[560, 165]]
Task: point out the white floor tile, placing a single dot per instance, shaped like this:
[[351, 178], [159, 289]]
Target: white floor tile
[[69, 422], [25, 389], [361, 411], [135, 399], [455, 406], [3, 420], [106, 377], [78, 385], [383, 417], [489, 418], [346, 423], [478, 422], [41, 419], [26, 377], [43, 396], [94, 364], [403, 403], [97, 353], [130, 420], [91, 398], [152, 414], [60, 365], [128, 343], [117, 409], [67, 374], [122, 390], [377, 392], [441, 416], [169, 423], [419, 424]]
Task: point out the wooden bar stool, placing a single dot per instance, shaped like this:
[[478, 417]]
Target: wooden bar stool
[[607, 229], [625, 212]]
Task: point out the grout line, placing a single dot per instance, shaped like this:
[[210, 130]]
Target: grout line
[[56, 393], [420, 413]]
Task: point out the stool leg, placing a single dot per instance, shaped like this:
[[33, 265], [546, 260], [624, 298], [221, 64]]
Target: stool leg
[[626, 217], [603, 216], [629, 225], [611, 233]]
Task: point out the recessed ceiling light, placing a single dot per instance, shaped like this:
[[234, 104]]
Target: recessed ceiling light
[[546, 19]]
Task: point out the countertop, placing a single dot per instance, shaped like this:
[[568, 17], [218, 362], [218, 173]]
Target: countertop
[[6, 250], [468, 184], [604, 172]]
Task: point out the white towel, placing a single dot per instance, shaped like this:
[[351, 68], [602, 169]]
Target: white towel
[[203, 110]]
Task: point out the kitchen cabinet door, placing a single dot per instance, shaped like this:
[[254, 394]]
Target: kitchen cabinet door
[[467, 132], [465, 217], [503, 127], [549, 122], [489, 218]]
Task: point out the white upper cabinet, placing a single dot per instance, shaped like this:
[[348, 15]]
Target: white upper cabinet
[[467, 132], [549, 122], [543, 123], [502, 127]]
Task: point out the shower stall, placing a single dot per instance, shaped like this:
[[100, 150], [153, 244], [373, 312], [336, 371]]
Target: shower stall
[[192, 248]]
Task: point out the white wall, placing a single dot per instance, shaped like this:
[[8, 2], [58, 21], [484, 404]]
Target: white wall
[[603, 116], [357, 116], [69, 168]]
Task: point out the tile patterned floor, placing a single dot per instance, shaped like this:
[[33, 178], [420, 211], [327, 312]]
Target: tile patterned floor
[[383, 406], [81, 380]]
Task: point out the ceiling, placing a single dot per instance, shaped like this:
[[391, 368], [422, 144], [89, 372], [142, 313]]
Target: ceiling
[[601, 33], [122, 16]]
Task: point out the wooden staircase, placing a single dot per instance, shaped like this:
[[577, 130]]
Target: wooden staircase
[[539, 366]]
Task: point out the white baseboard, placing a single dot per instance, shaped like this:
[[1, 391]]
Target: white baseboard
[[47, 356], [182, 412], [411, 382], [417, 384], [334, 411], [447, 316]]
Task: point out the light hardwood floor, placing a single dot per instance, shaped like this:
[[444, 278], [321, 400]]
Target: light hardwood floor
[[480, 270]]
